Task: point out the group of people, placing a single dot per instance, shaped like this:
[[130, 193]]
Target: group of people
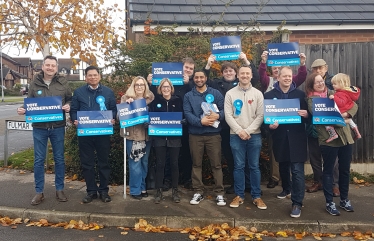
[[221, 114]]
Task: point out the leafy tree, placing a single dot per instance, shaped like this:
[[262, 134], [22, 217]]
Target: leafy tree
[[82, 26]]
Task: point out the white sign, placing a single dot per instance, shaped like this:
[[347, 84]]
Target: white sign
[[19, 125]]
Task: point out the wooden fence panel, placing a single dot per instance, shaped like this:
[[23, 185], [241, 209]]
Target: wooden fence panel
[[356, 60]]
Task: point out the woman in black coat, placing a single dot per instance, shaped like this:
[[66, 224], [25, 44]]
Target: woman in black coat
[[166, 101]]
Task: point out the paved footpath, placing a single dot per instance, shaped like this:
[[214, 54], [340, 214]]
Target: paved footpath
[[17, 191]]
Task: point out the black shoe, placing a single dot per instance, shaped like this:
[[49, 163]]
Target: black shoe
[[188, 184], [138, 197], [230, 190], [272, 183], [144, 194], [89, 198], [105, 197], [158, 196], [175, 195], [167, 185]]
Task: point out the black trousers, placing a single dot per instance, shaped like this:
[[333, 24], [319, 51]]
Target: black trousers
[[87, 147], [227, 153], [160, 165]]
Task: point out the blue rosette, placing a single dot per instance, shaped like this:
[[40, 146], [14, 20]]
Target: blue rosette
[[101, 101], [238, 104]]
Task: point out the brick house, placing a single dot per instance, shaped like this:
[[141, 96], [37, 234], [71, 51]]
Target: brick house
[[314, 21], [21, 70]]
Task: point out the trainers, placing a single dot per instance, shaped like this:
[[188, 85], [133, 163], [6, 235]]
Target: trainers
[[259, 203], [296, 211], [284, 194], [236, 202], [331, 209], [220, 200], [346, 205], [196, 199]]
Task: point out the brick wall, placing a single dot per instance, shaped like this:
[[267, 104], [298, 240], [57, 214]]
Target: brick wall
[[335, 36]]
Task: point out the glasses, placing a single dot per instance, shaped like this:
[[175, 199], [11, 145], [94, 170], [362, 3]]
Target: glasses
[[139, 85], [319, 82], [166, 87]]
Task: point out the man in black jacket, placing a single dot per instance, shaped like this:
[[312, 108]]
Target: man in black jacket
[[48, 83], [290, 142], [86, 98]]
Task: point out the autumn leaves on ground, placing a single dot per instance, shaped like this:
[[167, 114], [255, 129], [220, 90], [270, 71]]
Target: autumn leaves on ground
[[211, 232]]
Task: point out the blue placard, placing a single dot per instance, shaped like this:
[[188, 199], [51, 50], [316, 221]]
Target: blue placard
[[282, 110], [132, 114], [226, 48], [283, 54], [325, 113], [43, 109], [172, 71], [94, 123], [165, 124]]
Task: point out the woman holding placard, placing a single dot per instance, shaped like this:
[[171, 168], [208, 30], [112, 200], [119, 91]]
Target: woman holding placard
[[138, 144], [340, 148], [166, 101]]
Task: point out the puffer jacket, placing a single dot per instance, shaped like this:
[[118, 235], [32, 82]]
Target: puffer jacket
[[58, 87]]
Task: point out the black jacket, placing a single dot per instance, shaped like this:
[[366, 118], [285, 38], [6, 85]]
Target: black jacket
[[58, 87], [328, 78], [84, 99], [160, 104], [289, 140]]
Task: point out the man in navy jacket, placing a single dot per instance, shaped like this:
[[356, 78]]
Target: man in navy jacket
[[85, 98], [204, 133]]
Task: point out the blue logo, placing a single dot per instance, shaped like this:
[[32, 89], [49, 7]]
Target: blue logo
[[39, 92], [158, 105], [209, 98], [274, 98], [235, 83]]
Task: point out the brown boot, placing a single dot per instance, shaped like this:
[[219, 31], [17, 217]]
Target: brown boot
[[335, 192], [60, 196], [315, 187], [357, 133], [38, 199]]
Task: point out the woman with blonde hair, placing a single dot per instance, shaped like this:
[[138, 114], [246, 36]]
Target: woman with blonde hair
[[138, 144]]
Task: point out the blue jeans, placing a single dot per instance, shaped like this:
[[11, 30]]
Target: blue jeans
[[248, 150], [329, 155], [138, 170], [56, 136], [297, 185]]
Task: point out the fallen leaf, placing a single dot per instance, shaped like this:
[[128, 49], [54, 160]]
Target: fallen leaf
[[282, 234], [124, 233], [317, 237], [101, 236], [14, 227], [22, 172], [345, 234], [298, 236], [75, 177]]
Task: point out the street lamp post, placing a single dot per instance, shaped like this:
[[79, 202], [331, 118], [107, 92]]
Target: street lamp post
[[2, 78]]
